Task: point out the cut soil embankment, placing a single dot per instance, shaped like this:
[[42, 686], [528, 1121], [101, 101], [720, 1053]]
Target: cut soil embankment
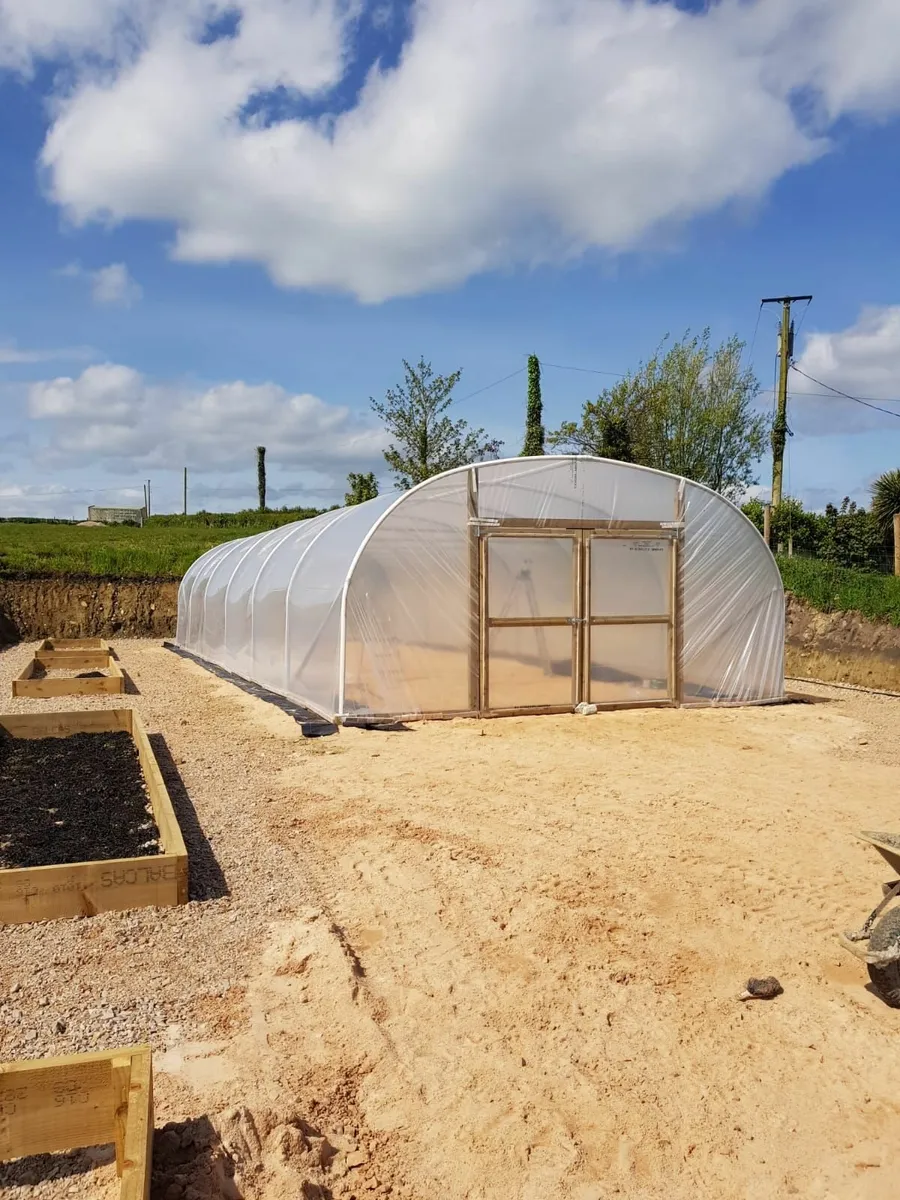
[[64, 607], [841, 647], [835, 647]]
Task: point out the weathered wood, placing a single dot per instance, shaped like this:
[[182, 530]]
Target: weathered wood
[[54, 1104], [25, 685], [64, 890], [120, 1082], [62, 724], [76, 644], [161, 803], [71, 660], [474, 590], [139, 1130]]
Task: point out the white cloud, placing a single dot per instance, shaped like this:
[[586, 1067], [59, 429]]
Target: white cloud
[[112, 286], [862, 360], [510, 133], [11, 354], [112, 415]]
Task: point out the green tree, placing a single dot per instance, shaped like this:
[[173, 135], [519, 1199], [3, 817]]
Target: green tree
[[606, 427], [886, 501], [261, 476], [362, 488], [688, 410], [534, 428], [426, 440], [792, 525], [852, 538]]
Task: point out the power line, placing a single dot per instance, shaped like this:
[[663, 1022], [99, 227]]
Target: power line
[[840, 395], [755, 332], [837, 391], [585, 370], [487, 387]]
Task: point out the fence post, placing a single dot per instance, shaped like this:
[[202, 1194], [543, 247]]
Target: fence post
[[897, 543]]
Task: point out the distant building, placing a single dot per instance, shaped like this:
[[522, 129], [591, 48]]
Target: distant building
[[115, 516]]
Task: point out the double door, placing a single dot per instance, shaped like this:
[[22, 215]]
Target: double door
[[574, 615]]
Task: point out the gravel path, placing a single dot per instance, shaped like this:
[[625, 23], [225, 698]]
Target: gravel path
[[492, 961]]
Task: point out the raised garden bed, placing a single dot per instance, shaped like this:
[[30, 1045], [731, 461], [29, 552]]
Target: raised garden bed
[[39, 682], [73, 654], [49, 1105], [78, 806]]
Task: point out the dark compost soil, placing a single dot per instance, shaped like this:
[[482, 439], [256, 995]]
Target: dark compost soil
[[73, 799]]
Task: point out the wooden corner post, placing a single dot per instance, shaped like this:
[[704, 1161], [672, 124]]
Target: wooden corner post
[[474, 590]]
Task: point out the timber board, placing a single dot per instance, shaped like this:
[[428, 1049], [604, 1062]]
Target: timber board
[[104, 885], [54, 1104], [26, 686]]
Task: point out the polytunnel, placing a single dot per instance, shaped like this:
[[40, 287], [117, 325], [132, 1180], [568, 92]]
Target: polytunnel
[[517, 585]]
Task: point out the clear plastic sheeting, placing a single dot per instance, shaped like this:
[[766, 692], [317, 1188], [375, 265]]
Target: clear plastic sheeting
[[467, 593]]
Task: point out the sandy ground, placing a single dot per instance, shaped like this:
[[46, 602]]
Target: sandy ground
[[498, 960]]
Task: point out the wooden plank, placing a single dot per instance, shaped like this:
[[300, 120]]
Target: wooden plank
[[121, 1080], [138, 1160], [541, 527], [69, 660], [160, 801], [85, 643], [62, 724], [474, 591], [483, 637], [63, 890], [513, 622], [55, 1105], [678, 600], [45, 689]]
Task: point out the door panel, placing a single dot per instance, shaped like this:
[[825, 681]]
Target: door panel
[[629, 664], [630, 577], [530, 666], [531, 577], [573, 616], [532, 639]]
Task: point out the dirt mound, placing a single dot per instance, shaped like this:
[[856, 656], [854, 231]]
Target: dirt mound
[[37, 608], [841, 647]]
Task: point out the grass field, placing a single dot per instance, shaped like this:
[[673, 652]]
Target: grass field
[[157, 551], [166, 547], [838, 589]]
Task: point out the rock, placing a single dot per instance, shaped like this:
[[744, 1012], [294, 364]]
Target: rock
[[761, 989], [357, 1158]]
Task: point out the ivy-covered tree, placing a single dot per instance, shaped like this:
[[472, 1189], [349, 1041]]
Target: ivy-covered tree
[[261, 476], [362, 488], [534, 413], [426, 440]]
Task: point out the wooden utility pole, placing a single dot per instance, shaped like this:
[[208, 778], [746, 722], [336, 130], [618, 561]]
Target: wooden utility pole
[[897, 543], [185, 491], [148, 497], [785, 353]]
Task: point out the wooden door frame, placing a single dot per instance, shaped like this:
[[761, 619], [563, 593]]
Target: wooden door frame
[[582, 532]]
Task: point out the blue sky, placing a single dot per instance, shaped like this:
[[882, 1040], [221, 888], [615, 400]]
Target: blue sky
[[227, 224]]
